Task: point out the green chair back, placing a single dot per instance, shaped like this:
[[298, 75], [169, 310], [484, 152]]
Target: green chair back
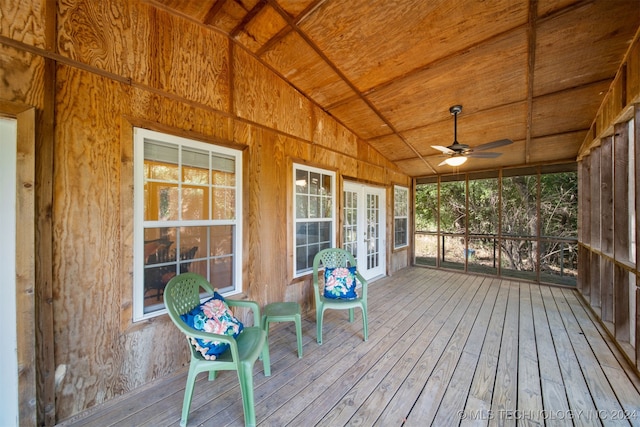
[[332, 258]]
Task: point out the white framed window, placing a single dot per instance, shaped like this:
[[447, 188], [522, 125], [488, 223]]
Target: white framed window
[[187, 216], [400, 217], [314, 215]]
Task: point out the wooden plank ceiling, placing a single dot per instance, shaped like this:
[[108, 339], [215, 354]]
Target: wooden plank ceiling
[[533, 71]]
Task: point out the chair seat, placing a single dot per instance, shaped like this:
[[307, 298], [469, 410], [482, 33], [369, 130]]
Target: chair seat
[[276, 310], [249, 345], [341, 303]]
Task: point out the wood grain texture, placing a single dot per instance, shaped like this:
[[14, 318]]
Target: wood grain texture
[[559, 36], [25, 263], [97, 33], [398, 100], [24, 21], [264, 25], [564, 146], [261, 97], [87, 192], [408, 25], [392, 147], [326, 132], [606, 196], [401, 64], [270, 174], [299, 63], [354, 113]]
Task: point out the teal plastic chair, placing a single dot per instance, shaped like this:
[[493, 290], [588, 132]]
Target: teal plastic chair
[[181, 295], [331, 258]]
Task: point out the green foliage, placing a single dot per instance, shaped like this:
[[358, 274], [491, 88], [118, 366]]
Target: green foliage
[[427, 207], [557, 213]]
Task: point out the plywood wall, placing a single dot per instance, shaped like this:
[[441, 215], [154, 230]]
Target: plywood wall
[[111, 69]]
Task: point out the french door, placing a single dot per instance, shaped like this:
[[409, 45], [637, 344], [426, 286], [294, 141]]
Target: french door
[[364, 227]]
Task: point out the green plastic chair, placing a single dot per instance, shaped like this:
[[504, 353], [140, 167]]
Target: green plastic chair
[[181, 295], [331, 258]]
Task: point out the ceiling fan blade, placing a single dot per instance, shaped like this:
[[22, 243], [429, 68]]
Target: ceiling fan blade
[[484, 155], [443, 149], [444, 162], [494, 144]]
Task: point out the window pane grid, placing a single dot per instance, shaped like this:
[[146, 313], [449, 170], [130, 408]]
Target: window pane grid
[[314, 221], [401, 216], [188, 218]]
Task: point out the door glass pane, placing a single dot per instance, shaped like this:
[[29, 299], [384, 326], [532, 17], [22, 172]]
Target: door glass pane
[[350, 227], [371, 239]]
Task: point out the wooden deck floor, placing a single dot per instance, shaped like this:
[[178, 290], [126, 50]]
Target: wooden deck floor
[[444, 349]]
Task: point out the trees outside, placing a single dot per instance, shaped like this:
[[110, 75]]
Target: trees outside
[[531, 214]]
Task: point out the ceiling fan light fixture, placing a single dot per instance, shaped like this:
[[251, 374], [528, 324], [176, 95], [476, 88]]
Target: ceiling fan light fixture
[[455, 160]]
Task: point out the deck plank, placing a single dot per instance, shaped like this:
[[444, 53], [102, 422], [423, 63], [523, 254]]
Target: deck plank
[[554, 395], [505, 397], [407, 383], [477, 410], [444, 349], [438, 382], [529, 388], [578, 395], [450, 411]]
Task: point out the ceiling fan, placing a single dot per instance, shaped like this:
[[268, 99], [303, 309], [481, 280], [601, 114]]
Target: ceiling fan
[[458, 153]]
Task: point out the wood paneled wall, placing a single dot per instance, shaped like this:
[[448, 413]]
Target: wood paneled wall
[[97, 69], [608, 277]]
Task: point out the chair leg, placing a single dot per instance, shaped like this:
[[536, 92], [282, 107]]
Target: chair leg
[[264, 325], [365, 329], [351, 315], [245, 376], [319, 315], [188, 394], [298, 322], [266, 358]]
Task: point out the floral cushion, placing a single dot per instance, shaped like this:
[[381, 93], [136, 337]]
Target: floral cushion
[[215, 317], [340, 283]]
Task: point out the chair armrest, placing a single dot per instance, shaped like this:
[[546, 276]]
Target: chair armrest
[[252, 305], [208, 336], [364, 284]]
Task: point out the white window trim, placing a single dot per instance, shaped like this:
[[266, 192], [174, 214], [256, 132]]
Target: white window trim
[[298, 166], [139, 137], [406, 190]]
